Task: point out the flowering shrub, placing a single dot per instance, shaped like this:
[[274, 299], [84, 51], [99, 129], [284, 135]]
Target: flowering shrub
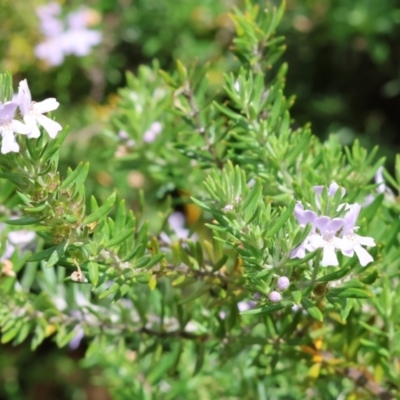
[[237, 270]]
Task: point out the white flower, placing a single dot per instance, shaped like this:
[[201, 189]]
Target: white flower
[[9, 126], [325, 239], [351, 242], [32, 112]]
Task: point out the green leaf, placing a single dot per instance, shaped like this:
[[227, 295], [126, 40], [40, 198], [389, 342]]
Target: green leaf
[[57, 254], [24, 221], [354, 293], [93, 270], [76, 177], [111, 290], [334, 276], [200, 353], [120, 238], [11, 333], [312, 309], [102, 211], [42, 255], [228, 112], [264, 310], [296, 296], [281, 220]]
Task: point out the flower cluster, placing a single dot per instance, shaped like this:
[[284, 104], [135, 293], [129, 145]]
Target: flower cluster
[[332, 234], [32, 115], [62, 38]]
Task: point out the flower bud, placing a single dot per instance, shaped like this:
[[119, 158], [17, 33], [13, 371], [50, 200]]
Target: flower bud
[[283, 283], [275, 297]]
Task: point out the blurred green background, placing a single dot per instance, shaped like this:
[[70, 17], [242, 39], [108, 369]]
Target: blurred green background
[[343, 69]]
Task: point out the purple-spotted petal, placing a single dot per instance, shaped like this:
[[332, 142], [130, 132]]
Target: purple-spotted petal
[[8, 143], [329, 257]]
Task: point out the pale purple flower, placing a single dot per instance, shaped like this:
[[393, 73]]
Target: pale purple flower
[[304, 217], [351, 242], [78, 19], [228, 207], [300, 251], [325, 238], [177, 223], [333, 188], [246, 305], [123, 135], [130, 143], [151, 134], [80, 41], [9, 126], [51, 27], [76, 340], [156, 127], [275, 297], [59, 41], [32, 112], [48, 10], [51, 50], [283, 283]]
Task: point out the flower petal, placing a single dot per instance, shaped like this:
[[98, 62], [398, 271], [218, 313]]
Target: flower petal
[[380, 181], [321, 223], [9, 144], [47, 105], [365, 240], [24, 97], [351, 217], [335, 224], [7, 111], [52, 127], [304, 217], [32, 125], [298, 252], [315, 241], [19, 127], [329, 257], [363, 255]]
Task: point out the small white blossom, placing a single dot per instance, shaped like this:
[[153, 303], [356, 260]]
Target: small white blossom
[[351, 242], [32, 112], [325, 238], [228, 207], [9, 126]]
